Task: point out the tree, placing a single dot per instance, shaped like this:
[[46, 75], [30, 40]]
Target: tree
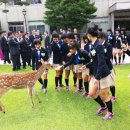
[[69, 13]]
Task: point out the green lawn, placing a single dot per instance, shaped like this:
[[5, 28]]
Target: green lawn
[[64, 110]]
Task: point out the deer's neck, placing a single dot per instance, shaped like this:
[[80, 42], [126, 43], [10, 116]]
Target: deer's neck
[[40, 72]]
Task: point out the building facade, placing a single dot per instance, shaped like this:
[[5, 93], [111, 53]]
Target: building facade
[[31, 18], [112, 14]]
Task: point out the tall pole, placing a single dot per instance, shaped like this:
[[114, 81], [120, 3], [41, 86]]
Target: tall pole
[[25, 23], [25, 20]]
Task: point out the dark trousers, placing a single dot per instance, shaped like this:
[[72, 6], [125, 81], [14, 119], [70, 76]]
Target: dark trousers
[[16, 61], [6, 56], [49, 51], [29, 57], [24, 58]]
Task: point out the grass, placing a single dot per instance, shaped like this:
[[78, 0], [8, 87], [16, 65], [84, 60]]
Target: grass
[[64, 110]]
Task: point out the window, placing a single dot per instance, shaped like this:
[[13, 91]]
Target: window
[[38, 25], [16, 26], [14, 2], [41, 28], [34, 1]]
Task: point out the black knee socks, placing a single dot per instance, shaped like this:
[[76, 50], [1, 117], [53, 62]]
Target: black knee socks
[[109, 106], [75, 80], [119, 59], [112, 89], [67, 82], [115, 59], [80, 84], [123, 57], [45, 83], [99, 101], [86, 86], [41, 81], [112, 58], [60, 79], [56, 81]]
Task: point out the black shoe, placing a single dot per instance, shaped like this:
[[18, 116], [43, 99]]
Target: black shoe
[[14, 69], [62, 85], [9, 61], [24, 67]]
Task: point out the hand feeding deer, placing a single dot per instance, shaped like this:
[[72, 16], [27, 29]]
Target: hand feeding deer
[[19, 81]]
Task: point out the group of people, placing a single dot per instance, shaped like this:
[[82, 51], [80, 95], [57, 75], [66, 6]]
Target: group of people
[[91, 64], [117, 40], [17, 47]]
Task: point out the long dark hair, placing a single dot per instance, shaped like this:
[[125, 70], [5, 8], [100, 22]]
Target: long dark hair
[[85, 37]]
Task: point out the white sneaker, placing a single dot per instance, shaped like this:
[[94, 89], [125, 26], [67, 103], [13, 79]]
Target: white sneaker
[[44, 90], [42, 86]]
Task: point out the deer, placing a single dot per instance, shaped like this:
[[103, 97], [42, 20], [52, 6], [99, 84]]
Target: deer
[[20, 80]]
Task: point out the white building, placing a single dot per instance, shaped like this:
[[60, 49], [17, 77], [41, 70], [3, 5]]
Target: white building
[[14, 19], [112, 14]]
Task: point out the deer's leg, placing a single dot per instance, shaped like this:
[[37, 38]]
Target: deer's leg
[[2, 107], [30, 95], [35, 93]]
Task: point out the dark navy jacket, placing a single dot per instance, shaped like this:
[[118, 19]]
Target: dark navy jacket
[[43, 55], [108, 54], [88, 46], [14, 47], [98, 65], [24, 46], [4, 44], [124, 39], [129, 39], [83, 57], [57, 52], [47, 41], [65, 51], [110, 39], [127, 52], [118, 42], [31, 39]]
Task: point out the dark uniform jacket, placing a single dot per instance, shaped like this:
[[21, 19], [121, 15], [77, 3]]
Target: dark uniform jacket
[[108, 54], [36, 60], [14, 47], [118, 42], [4, 44], [57, 52], [65, 51], [124, 39], [98, 65], [31, 39], [83, 58], [88, 46], [47, 42], [127, 52], [129, 39], [110, 39]]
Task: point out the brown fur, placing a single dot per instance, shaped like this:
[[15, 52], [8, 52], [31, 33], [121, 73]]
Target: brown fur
[[19, 81]]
